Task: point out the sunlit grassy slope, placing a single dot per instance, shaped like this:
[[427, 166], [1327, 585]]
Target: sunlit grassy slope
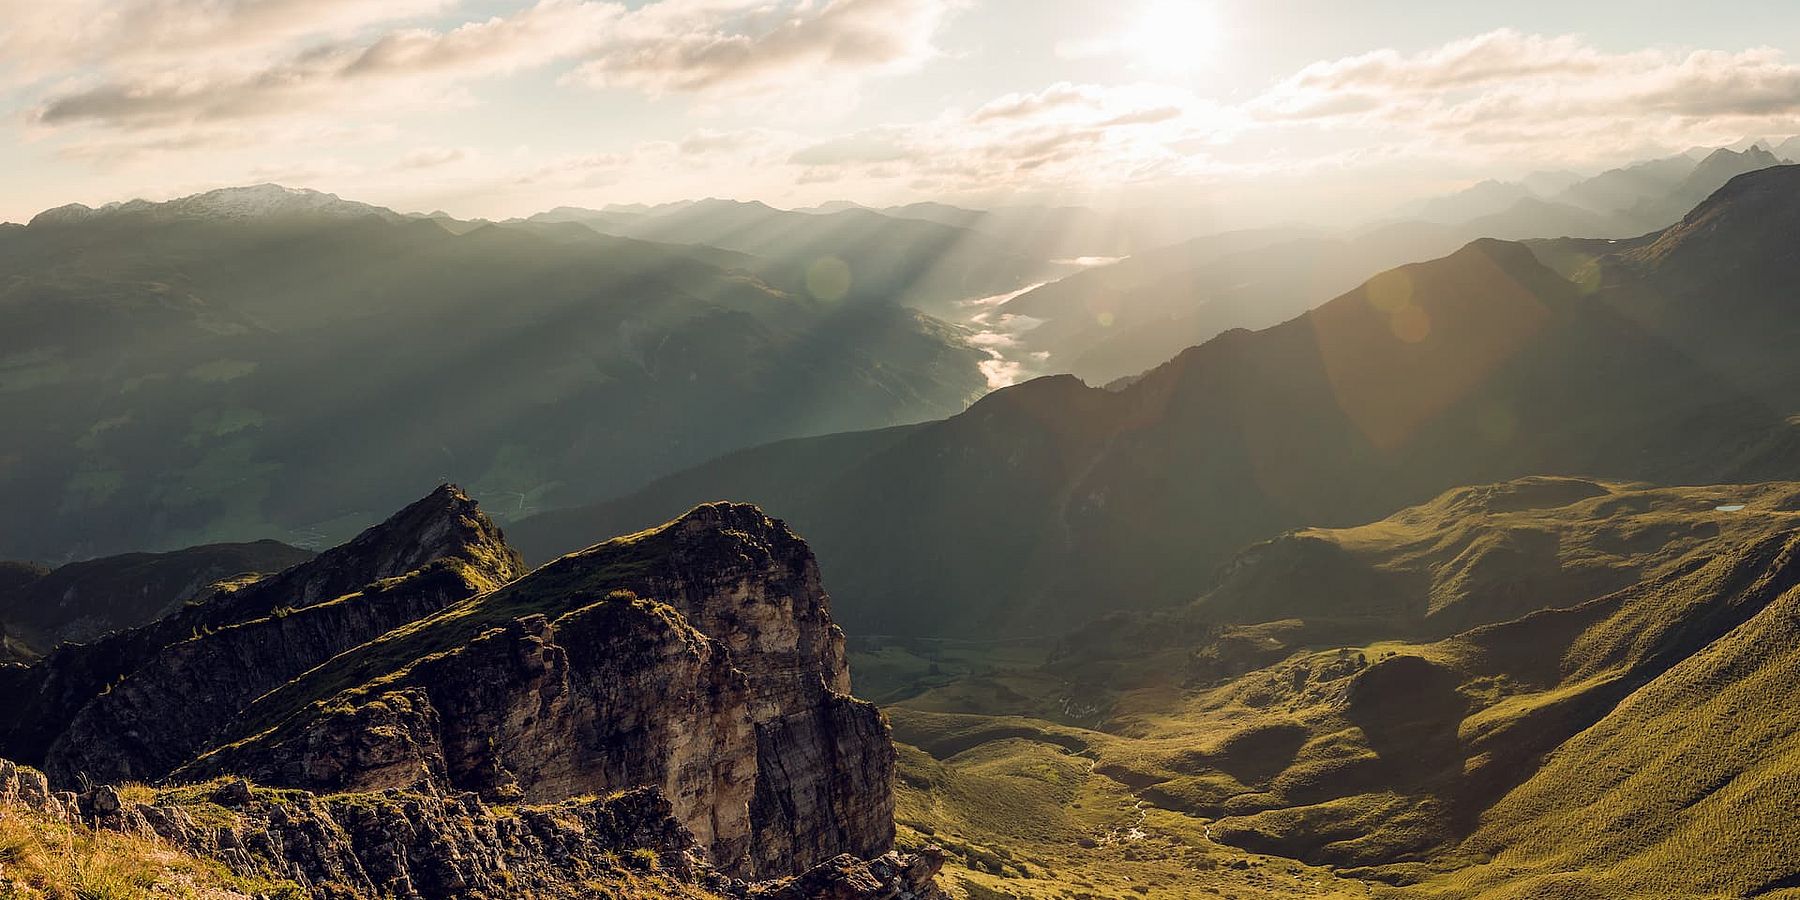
[[1024, 814], [1615, 719], [47, 858]]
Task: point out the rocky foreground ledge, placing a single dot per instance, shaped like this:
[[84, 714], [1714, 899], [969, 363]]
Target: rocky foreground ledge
[[410, 846], [412, 715]]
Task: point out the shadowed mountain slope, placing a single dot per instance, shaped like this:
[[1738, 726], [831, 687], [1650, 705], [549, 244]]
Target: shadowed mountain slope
[[1719, 285], [853, 254], [1052, 501], [287, 373], [81, 601]]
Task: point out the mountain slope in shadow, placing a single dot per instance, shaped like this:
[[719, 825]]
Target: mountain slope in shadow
[[1051, 501], [292, 371]]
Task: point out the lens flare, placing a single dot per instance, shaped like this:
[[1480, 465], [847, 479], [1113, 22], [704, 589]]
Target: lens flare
[[828, 278]]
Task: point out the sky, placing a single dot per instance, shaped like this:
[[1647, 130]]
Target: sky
[[1256, 110]]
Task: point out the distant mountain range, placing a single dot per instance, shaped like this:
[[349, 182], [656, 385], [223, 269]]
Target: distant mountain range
[[1053, 501], [246, 203], [1638, 198], [1120, 320], [273, 362], [851, 254], [180, 337]]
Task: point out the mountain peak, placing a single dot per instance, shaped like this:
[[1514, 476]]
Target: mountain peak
[[1044, 391], [254, 201], [1722, 165], [726, 514], [446, 523], [714, 203], [1725, 160], [1506, 253], [721, 532], [445, 526]]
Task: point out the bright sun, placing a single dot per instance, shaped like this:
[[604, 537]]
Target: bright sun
[[1174, 35]]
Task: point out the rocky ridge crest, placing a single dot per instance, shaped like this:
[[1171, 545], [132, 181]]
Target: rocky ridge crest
[[416, 846], [697, 659]]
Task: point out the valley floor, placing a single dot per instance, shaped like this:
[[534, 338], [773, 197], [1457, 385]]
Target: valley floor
[[1028, 807]]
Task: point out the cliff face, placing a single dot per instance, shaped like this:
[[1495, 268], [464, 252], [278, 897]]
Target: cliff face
[[698, 659], [127, 733], [749, 582], [616, 694]]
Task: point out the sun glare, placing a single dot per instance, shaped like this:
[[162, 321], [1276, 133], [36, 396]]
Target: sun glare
[[1174, 35]]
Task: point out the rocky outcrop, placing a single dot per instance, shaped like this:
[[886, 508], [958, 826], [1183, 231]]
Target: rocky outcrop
[[127, 733], [13, 651], [698, 657], [617, 694], [445, 526], [393, 844], [748, 581], [891, 876], [24, 788], [421, 846]]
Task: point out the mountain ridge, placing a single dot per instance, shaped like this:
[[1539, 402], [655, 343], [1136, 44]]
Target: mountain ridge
[[1477, 366], [247, 202], [699, 658], [202, 379]]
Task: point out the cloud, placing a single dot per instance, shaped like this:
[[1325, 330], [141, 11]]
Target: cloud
[[714, 47], [110, 82], [413, 64], [707, 142], [577, 170], [1059, 96], [41, 39], [433, 157], [1145, 116], [1498, 56], [1496, 100], [110, 150], [694, 47], [1066, 136], [875, 146], [545, 33], [1558, 96]]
